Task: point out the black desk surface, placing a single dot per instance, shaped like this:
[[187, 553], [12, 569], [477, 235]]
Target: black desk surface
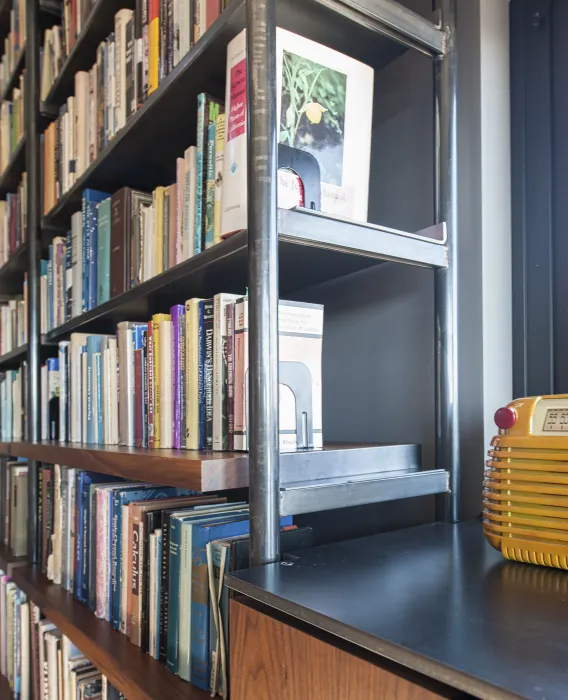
[[437, 599]]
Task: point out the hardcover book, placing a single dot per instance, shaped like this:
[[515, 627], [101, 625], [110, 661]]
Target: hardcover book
[[325, 107]]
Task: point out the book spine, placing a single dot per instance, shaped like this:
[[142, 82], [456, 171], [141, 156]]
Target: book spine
[[92, 249], [202, 104], [177, 313], [164, 587], [166, 381], [138, 397], [85, 543], [102, 558], [209, 223], [99, 397], [182, 380], [219, 164], [68, 276], [173, 595], [229, 411], [145, 391], [240, 372], [150, 362], [200, 660], [140, 17], [115, 557], [208, 331], [153, 44], [86, 248]]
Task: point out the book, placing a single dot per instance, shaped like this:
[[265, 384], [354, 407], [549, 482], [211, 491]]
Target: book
[[329, 116], [104, 250], [210, 175], [220, 436], [90, 199], [219, 161], [177, 313], [208, 109], [206, 375], [165, 383]]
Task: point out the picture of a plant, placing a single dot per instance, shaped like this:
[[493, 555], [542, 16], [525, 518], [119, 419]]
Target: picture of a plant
[[313, 113]]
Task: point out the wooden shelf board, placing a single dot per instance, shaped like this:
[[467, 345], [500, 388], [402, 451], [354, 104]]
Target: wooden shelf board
[[8, 562], [131, 671], [5, 690]]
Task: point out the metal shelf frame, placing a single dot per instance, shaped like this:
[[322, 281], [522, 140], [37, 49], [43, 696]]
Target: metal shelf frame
[[391, 19]]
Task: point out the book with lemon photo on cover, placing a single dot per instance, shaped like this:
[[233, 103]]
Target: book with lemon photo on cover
[[325, 107]]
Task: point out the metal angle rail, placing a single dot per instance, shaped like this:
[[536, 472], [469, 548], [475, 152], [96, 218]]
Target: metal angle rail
[[392, 19]]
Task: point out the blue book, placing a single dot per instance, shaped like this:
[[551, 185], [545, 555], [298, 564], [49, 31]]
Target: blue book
[[81, 578], [93, 346], [204, 532], [103, 256], [89, 203], [137, 492], [50, 266], [98, 375]]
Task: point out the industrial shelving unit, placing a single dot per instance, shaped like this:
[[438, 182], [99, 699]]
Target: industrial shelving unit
[[283, 252]]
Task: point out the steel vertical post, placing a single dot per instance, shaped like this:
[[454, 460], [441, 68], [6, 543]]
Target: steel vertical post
[[31, 125], [446, 280], [264, 474]]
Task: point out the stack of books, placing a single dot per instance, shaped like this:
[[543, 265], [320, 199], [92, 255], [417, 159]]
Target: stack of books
[[14, 506], [14, 43], [11, 123], [13, 221], [13, 322], [150, 560], [180, 380], [13, 404]]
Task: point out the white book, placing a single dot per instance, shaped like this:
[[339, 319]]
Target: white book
[[192, 373], [189, 199], [52, 642], [120, 21], [84, 394], [92, 115], [77, 343], [111, 88], [25, 650], [220, 426], [126, 384], [166, 384], [44, 404], [334, 125], [106, 393], [77, 263], [81, 123], [113, 390]]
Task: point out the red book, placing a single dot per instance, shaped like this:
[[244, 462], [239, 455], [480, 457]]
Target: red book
[[213, 9], [138, 398]]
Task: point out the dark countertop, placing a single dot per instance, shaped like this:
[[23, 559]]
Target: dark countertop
[[437, 599]]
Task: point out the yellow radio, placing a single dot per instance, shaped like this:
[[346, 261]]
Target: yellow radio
[[525, 496]]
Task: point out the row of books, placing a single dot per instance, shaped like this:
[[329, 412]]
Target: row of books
[[39, 662], [150, 560], [14, 505], [181, 380], [11, 124], [13, 322], [156, 36], [14, 43], [13, 221], [13, 404]]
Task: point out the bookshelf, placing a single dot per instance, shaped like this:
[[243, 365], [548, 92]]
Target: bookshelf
[[132, 672], [283, 251]]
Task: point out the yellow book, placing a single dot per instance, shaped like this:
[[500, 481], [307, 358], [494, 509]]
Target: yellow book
[[156, 320], [192, 373], [219, 155], [159, 219], [153, 53]]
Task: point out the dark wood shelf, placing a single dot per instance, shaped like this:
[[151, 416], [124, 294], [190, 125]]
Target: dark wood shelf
[[13, 81], [132, 672], [10, 178], [13, 358], [99, 24], [170, 113], [8, 562], [13, 270], [5, 690]]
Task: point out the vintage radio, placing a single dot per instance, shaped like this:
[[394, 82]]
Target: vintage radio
[[525, 497]]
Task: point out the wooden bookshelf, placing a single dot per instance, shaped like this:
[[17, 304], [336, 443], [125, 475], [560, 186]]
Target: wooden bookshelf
[[131, 671], [8, 562], [10, 178]]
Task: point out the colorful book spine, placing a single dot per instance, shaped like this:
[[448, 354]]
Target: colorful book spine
[[208, 237], [177, 312], [90, 246], [182, 379], [156, 320], [219, 161], [150, 372], [208, 331], [103, 257], [192, 345], [173, 594]]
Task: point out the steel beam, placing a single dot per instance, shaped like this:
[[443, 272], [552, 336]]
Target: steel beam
[[446, 280], [264, 474]]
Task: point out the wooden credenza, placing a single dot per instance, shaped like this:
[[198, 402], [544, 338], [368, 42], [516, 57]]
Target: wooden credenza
[[274, 660]]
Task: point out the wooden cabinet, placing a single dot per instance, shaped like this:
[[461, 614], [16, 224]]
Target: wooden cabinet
[[271, 660]]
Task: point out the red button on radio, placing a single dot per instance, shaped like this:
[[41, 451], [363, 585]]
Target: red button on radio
[[505, 418]]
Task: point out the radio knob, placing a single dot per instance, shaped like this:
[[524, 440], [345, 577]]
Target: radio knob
[[505, 418]]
